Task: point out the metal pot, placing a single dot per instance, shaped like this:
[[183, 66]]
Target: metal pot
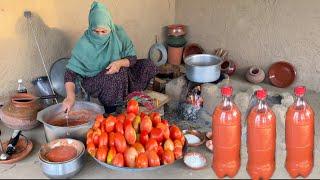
[[203, 68], [76, 132], [62, 170]]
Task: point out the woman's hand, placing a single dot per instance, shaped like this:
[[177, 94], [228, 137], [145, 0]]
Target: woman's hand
[[115, 66], [67, 104]]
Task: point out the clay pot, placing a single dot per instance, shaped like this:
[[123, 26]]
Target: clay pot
[[21, 112], [176, 30], [191, 49], [228, 67], [175, 55], [255, 75]]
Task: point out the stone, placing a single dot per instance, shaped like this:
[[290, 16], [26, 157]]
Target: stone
[[211, 96], [253, 89], [287, 99], [175, 87]]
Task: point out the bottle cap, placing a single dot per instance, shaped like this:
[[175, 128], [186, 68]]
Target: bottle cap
[[299, 90], [19, 80], [226, 91], [261, 94]]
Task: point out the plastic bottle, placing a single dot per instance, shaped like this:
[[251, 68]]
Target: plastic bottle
[[21, 88], [299, 136], [226, 133], [261, 140]]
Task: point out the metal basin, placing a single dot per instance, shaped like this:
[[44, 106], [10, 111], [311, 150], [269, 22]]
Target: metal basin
[[75, 132], [203, 68], [62, 170]]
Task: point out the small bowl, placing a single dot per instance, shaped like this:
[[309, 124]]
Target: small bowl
[[209, 135], [200, 158], [209, 145], [196, 133], [191, 49], [66, 169]]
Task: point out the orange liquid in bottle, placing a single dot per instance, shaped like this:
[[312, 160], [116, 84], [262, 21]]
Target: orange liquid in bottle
[[226, 133], [261, 140], [299, 137]]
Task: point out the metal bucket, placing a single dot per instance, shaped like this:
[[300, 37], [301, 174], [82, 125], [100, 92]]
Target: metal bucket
[[75, 132]]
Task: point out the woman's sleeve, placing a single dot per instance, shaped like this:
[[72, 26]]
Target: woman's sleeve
[[132, 60], [70, 76]]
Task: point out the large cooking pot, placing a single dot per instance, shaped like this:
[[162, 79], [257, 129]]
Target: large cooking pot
[[80, 109], [203, 68]]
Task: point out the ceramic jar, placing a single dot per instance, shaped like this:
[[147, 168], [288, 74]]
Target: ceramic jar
[[228, 67], [20, 112], [255, 75]]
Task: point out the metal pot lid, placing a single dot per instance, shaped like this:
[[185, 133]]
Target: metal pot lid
[[57, 71], [158, 54]]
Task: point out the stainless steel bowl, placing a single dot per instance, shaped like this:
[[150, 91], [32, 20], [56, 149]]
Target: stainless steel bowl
[[62, 170], [75, 132], [203, 68]]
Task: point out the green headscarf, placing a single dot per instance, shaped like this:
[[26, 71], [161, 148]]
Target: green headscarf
[[93, 52]]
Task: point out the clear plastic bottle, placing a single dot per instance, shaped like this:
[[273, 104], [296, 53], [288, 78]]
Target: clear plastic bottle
[[299, 136], [261, 139], [226, 133], [21, 88]]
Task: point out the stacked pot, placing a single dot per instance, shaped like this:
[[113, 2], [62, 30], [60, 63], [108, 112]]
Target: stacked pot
[[176, 41]]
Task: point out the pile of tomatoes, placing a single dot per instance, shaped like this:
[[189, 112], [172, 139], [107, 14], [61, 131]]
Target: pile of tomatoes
[[134, 139]]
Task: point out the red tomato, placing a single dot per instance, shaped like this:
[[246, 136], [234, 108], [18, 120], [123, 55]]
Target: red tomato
[[111, 154], [167, 157], [118, 160], [95, 136], [90, 133], [91, 149], [139, 147], [156, 118], [168, 145], [165, 122], [130, 135], [131, 116], [110, 123], [126, 123], [152, 145], [120, 142], [177, 144], [153, 159], [100, 118], [177, 152], [103, 140], [121, 118], [175, 132], [111, 139], [183, 140], [142, 114], [119, 127], [130, 156], [165, 130], [160, 151], [156, 133], [144, 137], [146, 124], [89, 140], [133, 106], [142, 160], [102, 154]]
